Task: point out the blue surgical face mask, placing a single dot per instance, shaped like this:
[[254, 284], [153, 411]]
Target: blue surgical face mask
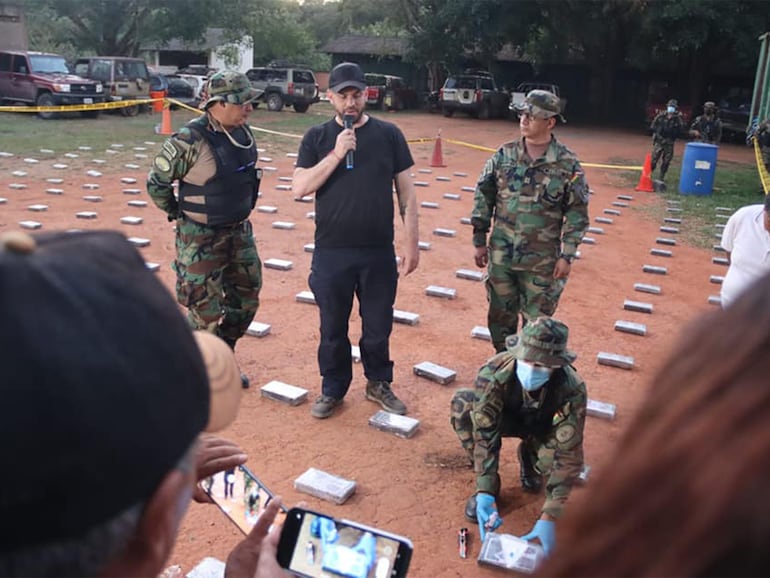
[[531, 377], [671, 109]]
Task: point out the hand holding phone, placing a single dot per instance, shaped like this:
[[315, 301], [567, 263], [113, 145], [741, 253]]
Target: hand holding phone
[[240, 495], [315, 545], [256, 554]]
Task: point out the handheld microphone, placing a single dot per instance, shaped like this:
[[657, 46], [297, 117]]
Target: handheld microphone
[[347, 122]]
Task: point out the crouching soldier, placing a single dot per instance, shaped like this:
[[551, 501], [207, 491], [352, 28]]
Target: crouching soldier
[[532, 392]]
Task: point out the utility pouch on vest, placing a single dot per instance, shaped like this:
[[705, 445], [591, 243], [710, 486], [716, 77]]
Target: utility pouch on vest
[[255, 196]]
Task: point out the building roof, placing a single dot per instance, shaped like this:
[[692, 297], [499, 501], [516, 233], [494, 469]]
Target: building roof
[[377, 45], [398, 46]]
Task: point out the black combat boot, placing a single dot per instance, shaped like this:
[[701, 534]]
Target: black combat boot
[[470, 509], [531, 481]]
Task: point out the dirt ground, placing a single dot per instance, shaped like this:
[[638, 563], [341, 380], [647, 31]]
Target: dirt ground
[[415, 487]]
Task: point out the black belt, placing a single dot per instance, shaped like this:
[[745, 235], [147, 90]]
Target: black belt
[[224, 227]]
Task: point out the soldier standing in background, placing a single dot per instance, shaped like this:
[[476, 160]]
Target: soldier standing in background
[[707, 128], [219, 274], [532, 392], [666, 127], [535, 190]]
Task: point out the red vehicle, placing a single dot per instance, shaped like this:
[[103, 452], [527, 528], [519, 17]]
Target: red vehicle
[[653, 108], [658, 94], [386, 92]]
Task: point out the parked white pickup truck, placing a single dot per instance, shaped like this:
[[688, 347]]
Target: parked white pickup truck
[[518, 95]]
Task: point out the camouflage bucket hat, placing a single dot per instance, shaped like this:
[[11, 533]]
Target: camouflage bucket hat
[[542, 340], [541, 104], [229, 86]]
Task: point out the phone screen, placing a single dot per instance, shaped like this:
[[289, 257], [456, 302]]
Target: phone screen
[[321, 546], [241, 496]]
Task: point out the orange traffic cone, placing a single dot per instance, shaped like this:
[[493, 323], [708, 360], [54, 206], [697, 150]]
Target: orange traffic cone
[[438, 157], [165, 120], [645, 181]]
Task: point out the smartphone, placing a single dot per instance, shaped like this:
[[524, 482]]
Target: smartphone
[[315, 545], [241, 496]]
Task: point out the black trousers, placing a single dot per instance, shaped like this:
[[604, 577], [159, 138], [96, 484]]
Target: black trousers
[[336, 275]]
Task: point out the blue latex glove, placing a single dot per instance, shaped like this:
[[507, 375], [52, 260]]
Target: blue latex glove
[[545, 531], [486, 514]]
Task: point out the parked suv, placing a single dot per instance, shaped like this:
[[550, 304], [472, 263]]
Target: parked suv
[[124, 78], [285, 86], [521, 91], [474, 92], [43, 79], [386, 92]]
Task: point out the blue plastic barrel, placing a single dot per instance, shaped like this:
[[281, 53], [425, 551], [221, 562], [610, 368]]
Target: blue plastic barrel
[[698, 167]]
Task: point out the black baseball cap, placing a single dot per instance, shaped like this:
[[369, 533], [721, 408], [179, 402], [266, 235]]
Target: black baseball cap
[[346, 75], [104, 385]]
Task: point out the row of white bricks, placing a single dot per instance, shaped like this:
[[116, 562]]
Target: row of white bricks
[[316, 482]]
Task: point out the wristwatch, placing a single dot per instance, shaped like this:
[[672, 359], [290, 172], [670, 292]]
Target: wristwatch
[[567, 258]]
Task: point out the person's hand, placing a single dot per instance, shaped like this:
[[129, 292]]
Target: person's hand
[[481, 256], [256, 554], [346, 141], [561, 269], [545, 531], [486, 514], [410, 261], [213, 455]]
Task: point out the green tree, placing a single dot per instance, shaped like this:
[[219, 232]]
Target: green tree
[[697, 37], [120, 27]]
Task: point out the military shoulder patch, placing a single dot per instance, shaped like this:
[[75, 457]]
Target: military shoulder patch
[[565, 433], [162, 164]]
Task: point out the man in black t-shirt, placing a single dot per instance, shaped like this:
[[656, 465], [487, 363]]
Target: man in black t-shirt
[[352, 172]]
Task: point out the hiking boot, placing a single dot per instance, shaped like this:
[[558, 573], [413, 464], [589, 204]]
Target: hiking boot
[[324, 406], [245, 381], [470, 510], [380, 392], [531, 481]]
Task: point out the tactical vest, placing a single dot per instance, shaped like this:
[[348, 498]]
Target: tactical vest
[[670, 129], [709, 128], [538, 421], [230, 195]]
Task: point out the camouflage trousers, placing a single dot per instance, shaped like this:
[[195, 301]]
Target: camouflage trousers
[[218, 277], [461, 418], [511, 292], [663, 152]]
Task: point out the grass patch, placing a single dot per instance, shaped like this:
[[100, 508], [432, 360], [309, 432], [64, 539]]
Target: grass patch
[[735, 185]]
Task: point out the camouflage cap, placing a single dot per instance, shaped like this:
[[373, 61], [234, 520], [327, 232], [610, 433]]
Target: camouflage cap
[[542, 340], [673, 102], [229, 86], [541, 104]]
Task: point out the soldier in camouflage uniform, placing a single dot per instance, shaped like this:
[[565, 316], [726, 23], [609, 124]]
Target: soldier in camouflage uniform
[[535, 190], [666, 127], [531, 391], [219, 274], [707, 128]]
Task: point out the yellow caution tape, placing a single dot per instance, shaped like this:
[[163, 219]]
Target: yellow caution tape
[[125, 103], [79, 107], [593, 165], [764, 177]]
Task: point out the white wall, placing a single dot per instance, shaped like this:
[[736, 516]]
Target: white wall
[[245, 56]]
